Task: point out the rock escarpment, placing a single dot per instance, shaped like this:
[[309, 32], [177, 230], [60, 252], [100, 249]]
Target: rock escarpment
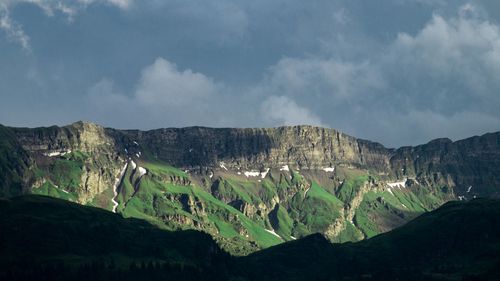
[[470, 166], [100, 159], [303, 147]]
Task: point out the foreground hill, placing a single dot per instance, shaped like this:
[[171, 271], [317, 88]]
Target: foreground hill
[[42, 238], [248, 188], [459, 241]]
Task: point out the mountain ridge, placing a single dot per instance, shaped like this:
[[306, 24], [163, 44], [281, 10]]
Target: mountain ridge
[[253, 188]]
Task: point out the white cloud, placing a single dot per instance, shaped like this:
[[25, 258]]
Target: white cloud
[[15, 31], [163, 94], [323, 77], [162, 84], [456, 58], [281, 110]]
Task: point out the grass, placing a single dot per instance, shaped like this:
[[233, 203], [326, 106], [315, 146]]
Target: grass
[[65, 173], [49, 189], [150, 203], [350, 187], [317, 209], [226, 230], [283, 224], [163, 169]]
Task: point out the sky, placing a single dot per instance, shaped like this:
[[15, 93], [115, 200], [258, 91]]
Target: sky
[[399, 72]]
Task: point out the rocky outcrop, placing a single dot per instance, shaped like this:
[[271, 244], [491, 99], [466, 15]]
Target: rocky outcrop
[[102, 160], [470, 166], [305, 147]]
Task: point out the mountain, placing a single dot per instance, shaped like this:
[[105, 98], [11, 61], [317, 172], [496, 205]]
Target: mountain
[[45, 238], [248, 188]]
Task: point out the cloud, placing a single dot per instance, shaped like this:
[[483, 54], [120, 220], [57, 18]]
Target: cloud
[[163, 94], [15, 31], [162, 84], [281, 110], [316, 77], [456, 59]]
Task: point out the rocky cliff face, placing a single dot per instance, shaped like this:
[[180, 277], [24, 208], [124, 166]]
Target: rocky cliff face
[[470, 166], [303, 147], [100, 161]]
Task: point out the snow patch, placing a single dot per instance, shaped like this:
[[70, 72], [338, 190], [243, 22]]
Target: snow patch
[[469, 189], [142, 172], [64, 191], [404, 205], [329, 169], [285, 168], [191, 150], [461, 198], [132, 163], [264, 174], [222, 166], [211, 174], [136, 143], [397, 184], [239, 173], [251, 174], [273, 233], [57, 153], [138, 156], [390, 191], [293, 237]]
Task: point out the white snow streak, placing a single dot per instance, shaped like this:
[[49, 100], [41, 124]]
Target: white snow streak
[[115, 187], [469, 189], [223, 166], [57, 153], [273, 233], [264, 174]]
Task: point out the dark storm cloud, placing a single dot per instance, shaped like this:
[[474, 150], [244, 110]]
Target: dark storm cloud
[[396, 71]]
